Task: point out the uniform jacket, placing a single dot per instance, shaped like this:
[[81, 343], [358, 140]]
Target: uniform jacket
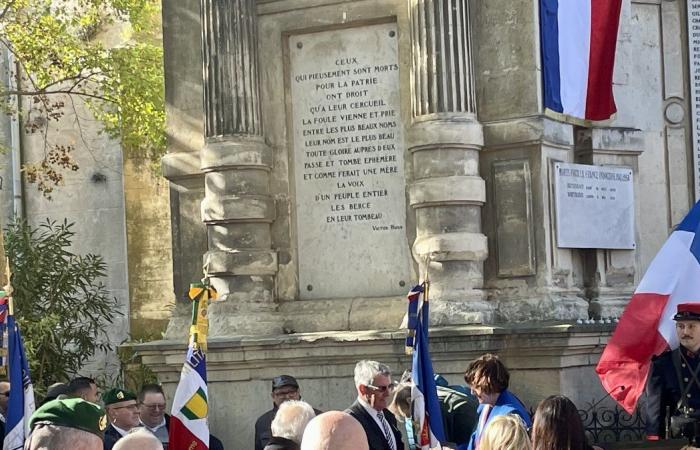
[[663, 389], [375, 435], [507, 403]]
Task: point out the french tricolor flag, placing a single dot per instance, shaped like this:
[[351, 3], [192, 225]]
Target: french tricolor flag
[[578, 55], [646, 327]]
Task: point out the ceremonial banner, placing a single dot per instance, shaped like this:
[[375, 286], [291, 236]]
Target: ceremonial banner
[[646, 327], [426, 414], [579, 38], [20, 406], [189, 426]]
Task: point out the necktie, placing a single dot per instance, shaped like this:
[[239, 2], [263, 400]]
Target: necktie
[[387, 432]]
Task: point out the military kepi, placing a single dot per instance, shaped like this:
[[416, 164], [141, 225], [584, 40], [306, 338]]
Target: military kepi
[[117, 395], [688, 311], [72, 413]]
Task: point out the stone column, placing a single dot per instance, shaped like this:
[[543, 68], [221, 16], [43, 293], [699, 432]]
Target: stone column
[[444, 140], [237, 207]]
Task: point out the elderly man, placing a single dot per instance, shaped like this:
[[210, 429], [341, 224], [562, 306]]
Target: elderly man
[[289, 424], [334, 430], [374, 386], [673, 384], [284, 387], [139, 439], [67, 424], [122, 412]]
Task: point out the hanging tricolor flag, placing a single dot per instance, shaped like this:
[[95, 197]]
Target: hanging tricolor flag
[[189, 426], [20, 405], [646, 327], [426, 414], [578, 55]]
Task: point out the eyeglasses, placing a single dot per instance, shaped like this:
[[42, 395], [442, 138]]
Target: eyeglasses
[[382, 389], [6, 394], [154, 406]]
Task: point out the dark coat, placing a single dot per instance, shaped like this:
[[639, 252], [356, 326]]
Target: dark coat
[[375, 435], [111, 437], [280, 443], [663, 389], [263, 432]]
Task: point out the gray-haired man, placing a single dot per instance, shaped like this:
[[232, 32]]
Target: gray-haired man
[[374, 386]]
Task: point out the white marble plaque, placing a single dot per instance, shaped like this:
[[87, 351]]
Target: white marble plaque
[[694, 76], [348, 159], [594, 206]]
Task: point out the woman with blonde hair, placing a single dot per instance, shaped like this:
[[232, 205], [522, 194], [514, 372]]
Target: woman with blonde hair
[[505, 432]]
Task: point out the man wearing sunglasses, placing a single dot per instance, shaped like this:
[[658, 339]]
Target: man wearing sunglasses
[[374, 386]]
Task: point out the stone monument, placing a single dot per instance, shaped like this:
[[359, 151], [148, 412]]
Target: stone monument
[[344, 151]]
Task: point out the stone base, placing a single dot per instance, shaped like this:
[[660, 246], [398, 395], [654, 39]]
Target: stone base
[[551, 306], [544, 359], [609, 307], [460, 312]]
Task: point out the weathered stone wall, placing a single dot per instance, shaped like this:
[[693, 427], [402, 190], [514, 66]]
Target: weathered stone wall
[[149, 251]]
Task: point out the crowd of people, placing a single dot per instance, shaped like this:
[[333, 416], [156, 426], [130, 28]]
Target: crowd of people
[[373, 420], [75, 416], [380, 418]]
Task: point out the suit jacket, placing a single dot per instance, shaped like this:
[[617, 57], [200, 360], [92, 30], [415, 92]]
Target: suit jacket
[[375, 435], [111, 437]]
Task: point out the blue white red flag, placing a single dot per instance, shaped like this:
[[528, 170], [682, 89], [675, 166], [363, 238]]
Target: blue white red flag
[[189, 424], [646, 327], [579, 38], [20, 406], [189, 428], [426, 406]]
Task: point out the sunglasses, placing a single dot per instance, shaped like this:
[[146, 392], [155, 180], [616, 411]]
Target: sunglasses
[[382, 389]]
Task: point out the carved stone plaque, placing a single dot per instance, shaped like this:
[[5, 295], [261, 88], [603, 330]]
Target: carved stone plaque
[[594, 206], [348, 161]]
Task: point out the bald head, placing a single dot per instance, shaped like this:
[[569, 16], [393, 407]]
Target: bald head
[[334, 430], [138, 439]]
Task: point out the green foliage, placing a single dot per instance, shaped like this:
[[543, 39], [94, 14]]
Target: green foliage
[[62, 307], [60, 47]]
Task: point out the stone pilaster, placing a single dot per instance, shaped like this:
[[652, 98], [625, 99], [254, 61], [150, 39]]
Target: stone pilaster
[[609, 275], [444, 140], [237, 207]]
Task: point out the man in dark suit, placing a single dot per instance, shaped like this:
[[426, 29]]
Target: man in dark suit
[[373, 384]]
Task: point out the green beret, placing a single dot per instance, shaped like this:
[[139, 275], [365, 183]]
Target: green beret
[[72, 413], [117, 395]]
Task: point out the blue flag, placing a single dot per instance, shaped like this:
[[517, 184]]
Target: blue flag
[[426, 406], [20, 406]]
